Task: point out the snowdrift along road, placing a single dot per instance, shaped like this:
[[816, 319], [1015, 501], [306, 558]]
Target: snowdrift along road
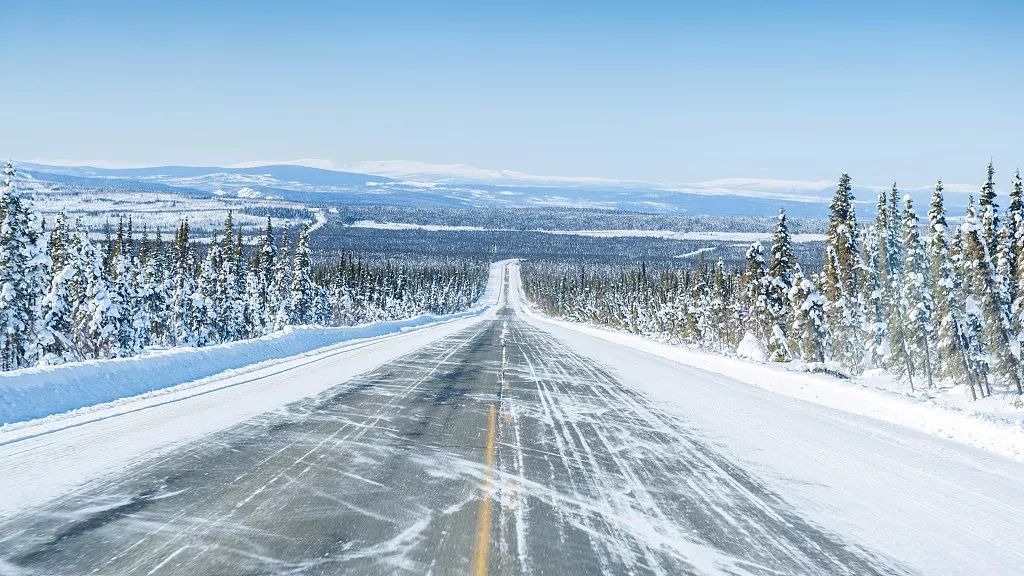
[[45, 391]]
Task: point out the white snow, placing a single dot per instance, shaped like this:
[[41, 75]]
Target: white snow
[[43, 391], [997, 429], [751, 348], [870, 466], [47, 390], [425, 227], [45, 458], [663, 234]]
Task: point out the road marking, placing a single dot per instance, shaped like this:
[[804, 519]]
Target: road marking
[[482, 544]]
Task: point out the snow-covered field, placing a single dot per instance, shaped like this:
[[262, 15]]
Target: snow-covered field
[[163, 210], [719, 236]]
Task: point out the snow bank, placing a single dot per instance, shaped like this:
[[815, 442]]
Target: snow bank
[[751, 348], [44, 391]]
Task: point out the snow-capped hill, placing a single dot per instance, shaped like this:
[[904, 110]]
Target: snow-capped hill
[[428, 185]]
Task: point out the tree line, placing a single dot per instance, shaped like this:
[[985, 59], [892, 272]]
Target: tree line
[[927, 302], [67, 297]]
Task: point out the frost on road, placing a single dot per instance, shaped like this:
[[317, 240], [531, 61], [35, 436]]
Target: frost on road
[[495, 450]]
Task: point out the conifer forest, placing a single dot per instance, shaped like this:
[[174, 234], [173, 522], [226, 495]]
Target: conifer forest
[[921, 297], [66, 296]]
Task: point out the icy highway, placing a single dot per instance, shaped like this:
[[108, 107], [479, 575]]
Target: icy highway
[[507, 446]]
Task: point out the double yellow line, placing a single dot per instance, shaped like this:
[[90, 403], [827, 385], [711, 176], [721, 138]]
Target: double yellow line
[[482, 544]]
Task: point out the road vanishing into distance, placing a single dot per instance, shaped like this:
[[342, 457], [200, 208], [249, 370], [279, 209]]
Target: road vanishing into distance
[[502, 448]]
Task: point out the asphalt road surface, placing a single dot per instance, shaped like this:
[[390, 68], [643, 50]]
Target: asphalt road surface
[[497, 450]]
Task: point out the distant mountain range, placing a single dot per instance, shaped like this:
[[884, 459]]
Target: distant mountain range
[[313, 185]]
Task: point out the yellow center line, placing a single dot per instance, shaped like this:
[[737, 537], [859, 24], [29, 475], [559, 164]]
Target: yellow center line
[[482, 543]]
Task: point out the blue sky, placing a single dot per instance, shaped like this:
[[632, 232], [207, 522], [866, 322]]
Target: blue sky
[[667, 91]]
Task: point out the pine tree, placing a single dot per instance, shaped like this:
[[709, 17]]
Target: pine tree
[[205, 327], [1015, 275], [60, 303], [809, 334], [281, 286], [986, 294], [781, 267], [872, 328], [989, 213], [714, 311], [755, 294], [840, 277], [301, 299], [917, 297], [124, 293], [16, 298], [97, 319], [898, 353], [182, 308], [950, 356]]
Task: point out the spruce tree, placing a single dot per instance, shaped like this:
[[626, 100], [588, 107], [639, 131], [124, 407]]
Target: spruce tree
[[950, 356], [281, 285], [989, 213], [16, 298], [755, 294], [898, 357], [873, 327], [841, 265], [301, 298], [986, 294], [98, 317], [809, 334], [917, 297], [781, 267]]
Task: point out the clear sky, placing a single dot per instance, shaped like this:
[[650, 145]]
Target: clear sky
[[668, 91]]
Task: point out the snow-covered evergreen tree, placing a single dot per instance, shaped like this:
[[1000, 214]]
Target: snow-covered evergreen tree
[[840, 277], [781, 267], [917, 297], [755, 294], [989, 214], [985, 292], [950, 359], [280, 289], [98, 318], [17, 280], [873, 327], [301, 300], [809, 334]]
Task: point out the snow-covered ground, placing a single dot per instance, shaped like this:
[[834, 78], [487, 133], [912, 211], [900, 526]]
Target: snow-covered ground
[[165, 210], [836, 452], [992, 424], [719, 236], [870, 465], [34, 455]]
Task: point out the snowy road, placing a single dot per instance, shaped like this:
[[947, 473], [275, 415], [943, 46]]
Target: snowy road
[[508, 446]]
